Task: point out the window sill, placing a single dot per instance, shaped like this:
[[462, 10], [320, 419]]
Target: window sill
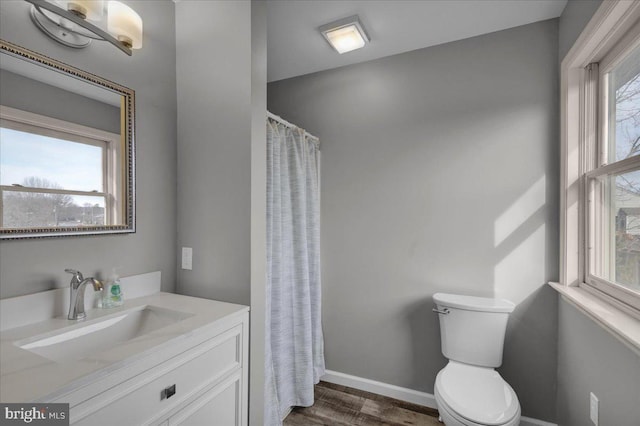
[[621, 325]]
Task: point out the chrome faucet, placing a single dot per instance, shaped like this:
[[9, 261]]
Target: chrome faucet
[[78, 285]]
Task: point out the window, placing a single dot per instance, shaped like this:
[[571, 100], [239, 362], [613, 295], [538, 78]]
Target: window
[[600, 129], [612, 178], [56, 174]]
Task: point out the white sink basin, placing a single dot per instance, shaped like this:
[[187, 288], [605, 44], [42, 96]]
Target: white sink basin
[[92, 337]]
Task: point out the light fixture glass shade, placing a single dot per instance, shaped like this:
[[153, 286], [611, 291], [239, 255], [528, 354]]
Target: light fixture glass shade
[[346, 39], [345, 34], [88, 9], [124, 24]]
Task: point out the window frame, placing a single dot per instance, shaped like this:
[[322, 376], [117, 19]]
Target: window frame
[[604, 41], [597, 117], [112, 150]]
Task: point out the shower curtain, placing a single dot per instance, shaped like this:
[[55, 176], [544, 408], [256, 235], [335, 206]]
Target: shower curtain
[[294, 352]]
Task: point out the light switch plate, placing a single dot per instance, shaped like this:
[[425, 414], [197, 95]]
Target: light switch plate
[[593, 408], [187, 258]]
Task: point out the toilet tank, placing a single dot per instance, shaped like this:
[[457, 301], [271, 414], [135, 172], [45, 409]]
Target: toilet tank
[[472, 332]]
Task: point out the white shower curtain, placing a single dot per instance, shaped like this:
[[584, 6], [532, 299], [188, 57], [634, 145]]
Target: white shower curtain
[[294, 346]]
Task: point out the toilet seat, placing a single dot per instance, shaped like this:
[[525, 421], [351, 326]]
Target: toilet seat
[[476, 395], [450, 418]]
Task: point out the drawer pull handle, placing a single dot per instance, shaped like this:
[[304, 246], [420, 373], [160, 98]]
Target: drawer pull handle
[[168, 392]]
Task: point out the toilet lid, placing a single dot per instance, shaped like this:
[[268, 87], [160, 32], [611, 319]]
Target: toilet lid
[[476, 393]]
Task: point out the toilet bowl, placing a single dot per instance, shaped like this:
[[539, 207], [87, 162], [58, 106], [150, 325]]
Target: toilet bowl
[[467, 395], [469, 391]]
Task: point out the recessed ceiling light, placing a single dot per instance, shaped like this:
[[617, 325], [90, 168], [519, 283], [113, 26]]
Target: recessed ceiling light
[[345, 35]]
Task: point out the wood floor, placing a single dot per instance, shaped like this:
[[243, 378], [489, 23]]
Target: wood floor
[[337, 405]]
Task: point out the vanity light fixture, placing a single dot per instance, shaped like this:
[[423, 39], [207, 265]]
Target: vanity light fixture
[[345, 34], [75, 23]]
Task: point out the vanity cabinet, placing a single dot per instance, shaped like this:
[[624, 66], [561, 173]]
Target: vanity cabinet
[[160, 359], [199, 380]]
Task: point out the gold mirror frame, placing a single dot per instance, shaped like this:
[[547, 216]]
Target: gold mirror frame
[[128, 124]]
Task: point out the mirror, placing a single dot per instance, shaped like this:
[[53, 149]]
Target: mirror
[[67, 155]]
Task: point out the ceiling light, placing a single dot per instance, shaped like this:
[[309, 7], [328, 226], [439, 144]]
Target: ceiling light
[[345, 35], [75, 23]]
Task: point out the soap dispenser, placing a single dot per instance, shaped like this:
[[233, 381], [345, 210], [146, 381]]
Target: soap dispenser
[[112, 295]]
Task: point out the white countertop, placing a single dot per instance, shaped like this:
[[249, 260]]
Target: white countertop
[[27, 377]]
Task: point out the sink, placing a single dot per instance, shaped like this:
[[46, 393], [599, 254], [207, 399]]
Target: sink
[[94, 336]]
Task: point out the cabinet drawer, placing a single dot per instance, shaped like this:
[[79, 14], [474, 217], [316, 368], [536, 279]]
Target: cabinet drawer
[[220, 406], [146, 397]]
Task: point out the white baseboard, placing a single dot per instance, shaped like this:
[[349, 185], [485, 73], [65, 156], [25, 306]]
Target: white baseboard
[[392, 391], [528, 421], [403, 394]]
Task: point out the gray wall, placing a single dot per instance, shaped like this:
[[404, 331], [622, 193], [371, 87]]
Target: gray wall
[[574, 18], [589, 358], [214, 147], [33, 96], [30, 266], [221, 85], [592, 360], [439, 173], [258, 207]]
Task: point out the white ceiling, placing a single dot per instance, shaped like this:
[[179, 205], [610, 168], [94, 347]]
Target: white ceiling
[[295, 47]]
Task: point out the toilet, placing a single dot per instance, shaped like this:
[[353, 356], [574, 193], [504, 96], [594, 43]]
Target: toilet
[[469, 391]]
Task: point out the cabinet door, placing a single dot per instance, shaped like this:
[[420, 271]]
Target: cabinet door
[[219, 406]]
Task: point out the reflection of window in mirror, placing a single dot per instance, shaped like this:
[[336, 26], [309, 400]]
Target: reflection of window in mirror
[[57, 174]]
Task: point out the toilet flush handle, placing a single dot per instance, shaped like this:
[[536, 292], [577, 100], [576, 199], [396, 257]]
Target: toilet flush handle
[[444, 311]]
